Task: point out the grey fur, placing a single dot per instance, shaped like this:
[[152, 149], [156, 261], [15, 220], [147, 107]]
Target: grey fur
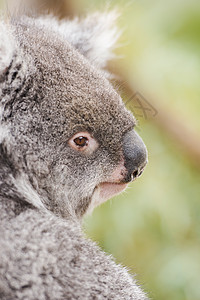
[[49, 91]]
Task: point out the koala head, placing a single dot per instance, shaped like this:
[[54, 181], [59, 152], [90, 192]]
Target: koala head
[[68, 133]]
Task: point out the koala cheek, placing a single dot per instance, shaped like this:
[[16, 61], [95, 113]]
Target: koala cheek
[[118, 174]]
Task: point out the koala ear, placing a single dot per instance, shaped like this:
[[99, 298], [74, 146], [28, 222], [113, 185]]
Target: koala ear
[[7, 48], [94, 36]]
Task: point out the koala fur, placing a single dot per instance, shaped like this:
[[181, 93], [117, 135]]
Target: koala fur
[[52, 85]]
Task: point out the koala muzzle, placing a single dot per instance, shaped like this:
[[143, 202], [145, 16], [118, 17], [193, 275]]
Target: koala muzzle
[[135, 155]]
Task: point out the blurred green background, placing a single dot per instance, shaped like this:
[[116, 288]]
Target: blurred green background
[[153, 228]]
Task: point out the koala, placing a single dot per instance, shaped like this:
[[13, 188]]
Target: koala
[[67, 144]]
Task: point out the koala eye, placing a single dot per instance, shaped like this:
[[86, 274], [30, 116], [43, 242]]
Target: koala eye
[[83, 142]]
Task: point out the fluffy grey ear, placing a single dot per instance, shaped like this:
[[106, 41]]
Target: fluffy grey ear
[[94, 36], [7, 47]]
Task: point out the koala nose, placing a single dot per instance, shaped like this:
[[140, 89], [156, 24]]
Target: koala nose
[[135, 155]]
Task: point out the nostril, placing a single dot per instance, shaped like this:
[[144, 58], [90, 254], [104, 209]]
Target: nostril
[[135, 173], [140, 173]]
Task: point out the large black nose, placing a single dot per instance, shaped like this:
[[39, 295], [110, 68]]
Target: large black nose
[[135, 155]]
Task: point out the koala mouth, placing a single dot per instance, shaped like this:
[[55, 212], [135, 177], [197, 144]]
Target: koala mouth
[[105, 191], [110, 189]]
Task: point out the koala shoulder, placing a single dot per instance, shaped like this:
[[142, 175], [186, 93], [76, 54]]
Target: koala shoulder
[[58, 253]]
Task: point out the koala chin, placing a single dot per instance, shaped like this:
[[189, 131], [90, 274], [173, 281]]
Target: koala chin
[[67, 144]]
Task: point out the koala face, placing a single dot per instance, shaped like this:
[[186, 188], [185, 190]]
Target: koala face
[[71, 134]]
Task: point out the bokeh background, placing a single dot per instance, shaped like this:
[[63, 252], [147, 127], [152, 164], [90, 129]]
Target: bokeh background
[[153, 228]]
